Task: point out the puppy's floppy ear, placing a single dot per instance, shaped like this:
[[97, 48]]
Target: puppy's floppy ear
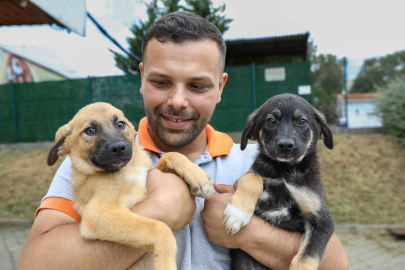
[[59, 149], [248, 131], [326, 133]]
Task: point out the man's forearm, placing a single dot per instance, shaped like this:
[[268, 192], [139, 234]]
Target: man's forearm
[[64, 248], [276, 248]]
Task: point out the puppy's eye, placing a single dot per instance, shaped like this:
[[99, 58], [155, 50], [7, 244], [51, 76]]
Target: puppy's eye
[[90, 131], [121, 125], [302, 122], [271, 121]]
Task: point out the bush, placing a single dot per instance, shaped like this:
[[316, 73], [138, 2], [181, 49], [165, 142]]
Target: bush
[[391, 107]]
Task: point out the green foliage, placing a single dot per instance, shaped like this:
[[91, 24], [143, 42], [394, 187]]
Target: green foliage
[[391, 107], [327, 81], [205, 9], [320, 98], [159, 8], [379, 72]]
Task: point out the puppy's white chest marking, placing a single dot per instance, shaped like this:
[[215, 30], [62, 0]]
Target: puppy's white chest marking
[[264, 196], [139, 176], [277, 215], [137, 187], [308, 201]]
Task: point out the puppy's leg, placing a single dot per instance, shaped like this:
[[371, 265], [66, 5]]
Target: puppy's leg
[[242, 205], [144, 263], [198, 180], [318, 230], [103, 222]]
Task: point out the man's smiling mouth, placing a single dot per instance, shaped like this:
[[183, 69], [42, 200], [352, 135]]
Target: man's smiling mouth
[[176, 120]]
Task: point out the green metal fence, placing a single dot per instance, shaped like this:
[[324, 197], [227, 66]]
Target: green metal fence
[[32, 112]]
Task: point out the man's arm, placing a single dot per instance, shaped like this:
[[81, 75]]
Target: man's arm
[[269, 245], [54, 241]]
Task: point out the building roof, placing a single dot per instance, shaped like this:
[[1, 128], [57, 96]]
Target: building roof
[[42, 56], [14, 12], [64, 13], [360, 96], [265, 46]]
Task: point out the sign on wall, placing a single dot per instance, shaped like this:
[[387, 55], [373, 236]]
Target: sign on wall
[[304, 90], [274, 74]]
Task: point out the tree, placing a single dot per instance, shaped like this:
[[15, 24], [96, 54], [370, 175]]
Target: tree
[[391, 107], [327, 80], [205, 9], [159, 8], [378, 72]]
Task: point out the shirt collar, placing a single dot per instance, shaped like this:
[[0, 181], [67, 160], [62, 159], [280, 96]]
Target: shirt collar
[[218, 143]]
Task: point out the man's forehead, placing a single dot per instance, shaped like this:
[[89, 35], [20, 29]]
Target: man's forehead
[[196, 59], [199, 46]]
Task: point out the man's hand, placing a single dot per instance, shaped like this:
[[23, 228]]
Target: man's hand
[[169, 200], [271, 246], [213, 215]]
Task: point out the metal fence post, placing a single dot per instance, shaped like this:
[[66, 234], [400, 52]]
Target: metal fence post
[[345, 87], [89, 93], [14, 103], [254, 86]]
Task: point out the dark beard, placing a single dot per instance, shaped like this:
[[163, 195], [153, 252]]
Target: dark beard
[[198, 125]]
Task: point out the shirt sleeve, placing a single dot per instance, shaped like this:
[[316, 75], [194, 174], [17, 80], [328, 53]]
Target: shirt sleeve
[[60, 193]]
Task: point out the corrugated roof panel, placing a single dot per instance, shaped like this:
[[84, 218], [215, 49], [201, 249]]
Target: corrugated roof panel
[[266, 46]]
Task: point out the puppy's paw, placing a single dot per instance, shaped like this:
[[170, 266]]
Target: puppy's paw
[[200, 183], [205, 191], [235, 219], [304, 264]]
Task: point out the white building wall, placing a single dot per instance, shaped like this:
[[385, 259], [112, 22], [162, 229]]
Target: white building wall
[[361, 114]]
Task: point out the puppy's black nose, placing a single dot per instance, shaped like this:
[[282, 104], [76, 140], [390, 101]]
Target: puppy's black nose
[[285, 144], [118, 148]]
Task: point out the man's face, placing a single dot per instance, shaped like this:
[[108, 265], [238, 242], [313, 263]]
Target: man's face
[[181, 85]]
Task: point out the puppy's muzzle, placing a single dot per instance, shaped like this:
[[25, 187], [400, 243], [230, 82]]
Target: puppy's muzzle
[[118, 149], [285, 146], [112, 156]]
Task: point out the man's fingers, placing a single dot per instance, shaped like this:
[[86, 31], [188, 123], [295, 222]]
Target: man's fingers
[[221, 188]]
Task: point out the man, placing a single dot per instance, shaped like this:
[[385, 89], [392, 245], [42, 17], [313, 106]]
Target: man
[[182, 81]]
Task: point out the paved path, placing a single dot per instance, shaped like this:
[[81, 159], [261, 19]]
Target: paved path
[[369, 250], [12, 241], [379, 250]]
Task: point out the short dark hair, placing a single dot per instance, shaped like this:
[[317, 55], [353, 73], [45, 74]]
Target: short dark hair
[[182, 26]]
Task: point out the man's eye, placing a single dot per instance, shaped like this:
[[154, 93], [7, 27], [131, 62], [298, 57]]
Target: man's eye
[[198, 87], [121, 125], [302, 122], [271, 121], [160, 83], [90, 131]]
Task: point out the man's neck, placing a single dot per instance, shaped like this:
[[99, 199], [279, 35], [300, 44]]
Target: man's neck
[[192, 151]]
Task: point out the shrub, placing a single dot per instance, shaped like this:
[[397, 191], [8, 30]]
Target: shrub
[[391, 107]]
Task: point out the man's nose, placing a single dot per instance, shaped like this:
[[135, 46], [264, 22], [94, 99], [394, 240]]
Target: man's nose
[[178, 98]]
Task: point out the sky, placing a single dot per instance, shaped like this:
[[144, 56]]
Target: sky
[[356, 29]]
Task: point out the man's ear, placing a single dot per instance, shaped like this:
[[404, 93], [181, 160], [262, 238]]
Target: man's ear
[[222, 83], [59, 148], [141, 70], [248, 131], [326, 133]]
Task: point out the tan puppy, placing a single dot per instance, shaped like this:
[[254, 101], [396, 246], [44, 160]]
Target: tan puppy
[[109, 177]]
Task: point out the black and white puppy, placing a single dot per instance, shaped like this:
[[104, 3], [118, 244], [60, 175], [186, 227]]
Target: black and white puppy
[[283, 186]]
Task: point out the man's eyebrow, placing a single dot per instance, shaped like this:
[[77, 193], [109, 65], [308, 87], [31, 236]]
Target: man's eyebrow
[[157, 74], [201, 78]]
